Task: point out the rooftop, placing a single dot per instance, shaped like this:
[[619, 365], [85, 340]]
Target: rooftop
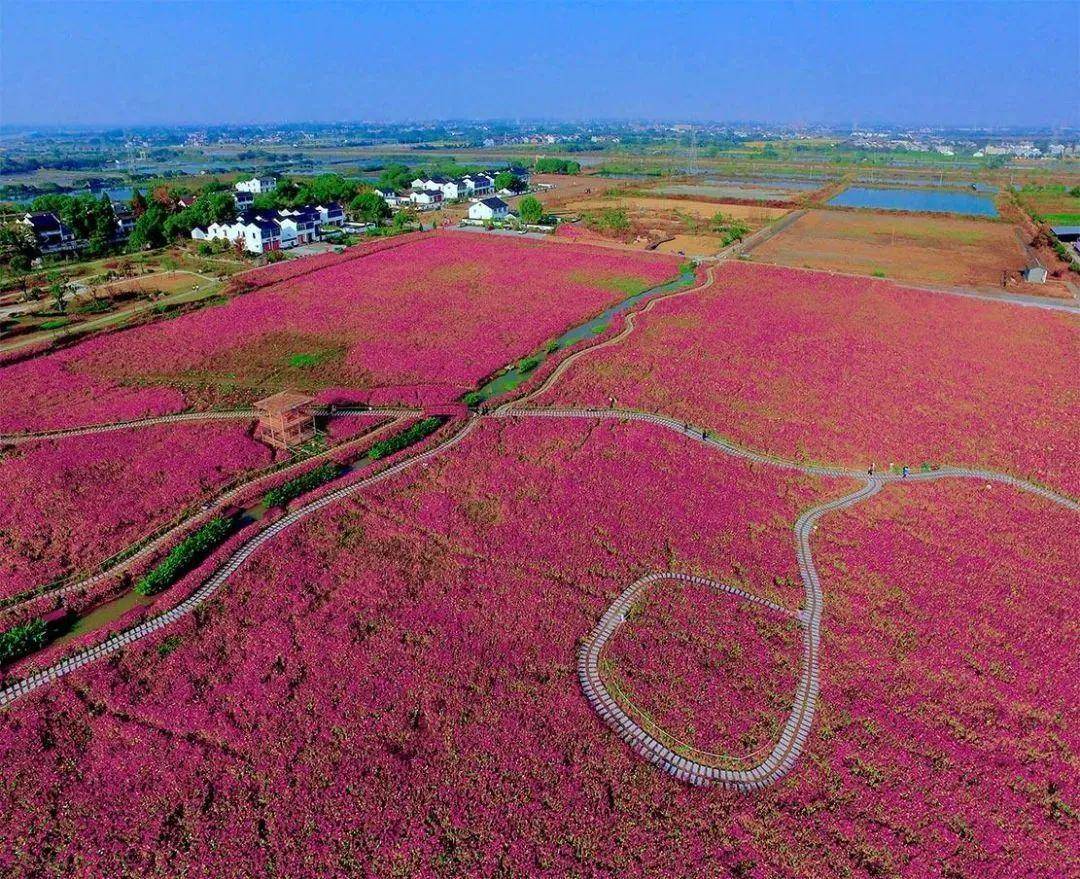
[[283, 401]]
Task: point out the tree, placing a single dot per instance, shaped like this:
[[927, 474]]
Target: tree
[[149, 229], [405, 217], [731, 228], [556, 166], [138, 204], [504, 180], [18, 246], [327, 187], [58, 290], [396, 177], [369, 207], [530, 209], [102, 229], [163, 197]]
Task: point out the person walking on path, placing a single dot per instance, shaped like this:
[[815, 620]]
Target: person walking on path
[[870, 470], [906, 471]]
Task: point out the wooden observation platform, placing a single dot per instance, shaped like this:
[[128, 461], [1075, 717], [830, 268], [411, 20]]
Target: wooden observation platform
[[285, 419]]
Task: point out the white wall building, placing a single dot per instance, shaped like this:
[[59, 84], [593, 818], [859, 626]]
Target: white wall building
[[257, 185], [489, 209]]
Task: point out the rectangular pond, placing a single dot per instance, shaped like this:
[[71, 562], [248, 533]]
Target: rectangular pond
[[938, 201]]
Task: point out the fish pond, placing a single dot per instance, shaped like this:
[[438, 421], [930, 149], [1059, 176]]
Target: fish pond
[[938, 201]]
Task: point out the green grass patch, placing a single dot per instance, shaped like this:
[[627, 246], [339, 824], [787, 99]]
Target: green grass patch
[[302, 484], [306, 361], [55, 324], [184, 556], [628, 285], [1063, 219], [169, 645], [878, 273]]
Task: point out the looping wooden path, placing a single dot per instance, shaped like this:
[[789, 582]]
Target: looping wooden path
[[794, 736]]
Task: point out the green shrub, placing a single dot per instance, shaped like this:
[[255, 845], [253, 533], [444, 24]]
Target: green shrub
[[473, 398], [302, 484], [185, 555], [390, 445], [22, 640]]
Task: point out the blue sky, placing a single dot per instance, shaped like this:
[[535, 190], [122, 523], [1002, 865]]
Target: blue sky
[[231, 61]]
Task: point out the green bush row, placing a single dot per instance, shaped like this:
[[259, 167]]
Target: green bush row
[[399, 441], [22, 639], [184, 556], [302, 484]]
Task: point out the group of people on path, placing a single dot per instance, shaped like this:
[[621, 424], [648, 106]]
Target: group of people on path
[[870, 470]]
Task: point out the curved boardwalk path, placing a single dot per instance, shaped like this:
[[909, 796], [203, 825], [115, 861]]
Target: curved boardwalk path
[[796, 731], [627, 329], [158, 539], [241, 554]]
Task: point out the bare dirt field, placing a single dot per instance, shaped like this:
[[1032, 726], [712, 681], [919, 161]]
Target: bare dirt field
[[918, 249], [676, 225], [159, 282]]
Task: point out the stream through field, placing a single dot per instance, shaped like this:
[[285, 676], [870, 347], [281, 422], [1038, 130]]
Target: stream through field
[[107, 613]]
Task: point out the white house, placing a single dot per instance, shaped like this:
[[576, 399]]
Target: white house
[[426, 198], [257, 185], [331, 213], [452, 190], [258, 235], [478, 184], [489, 209], [389, 196]]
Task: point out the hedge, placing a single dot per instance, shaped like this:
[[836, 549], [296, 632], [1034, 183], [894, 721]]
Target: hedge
[[399, 441], [302, 484], [22, 639], [184, 556]]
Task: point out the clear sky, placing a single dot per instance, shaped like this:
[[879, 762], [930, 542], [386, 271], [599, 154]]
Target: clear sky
[[128, 63]]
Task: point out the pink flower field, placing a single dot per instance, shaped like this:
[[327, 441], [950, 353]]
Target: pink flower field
[[68, 504], [849, 370], [948, 733], [418, 322], [392, 689], [711, 669]]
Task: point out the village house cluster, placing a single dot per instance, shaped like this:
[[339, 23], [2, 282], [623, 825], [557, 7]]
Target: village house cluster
[[431, 192], [260, 231], [53, 236]]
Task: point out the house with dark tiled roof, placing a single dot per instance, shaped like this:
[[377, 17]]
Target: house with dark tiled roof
[[50, 234]]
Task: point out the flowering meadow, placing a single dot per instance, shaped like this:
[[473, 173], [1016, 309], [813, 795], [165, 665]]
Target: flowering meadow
[[948, 729], [418, 322], [69, 504], [390, 688], [852, 371]]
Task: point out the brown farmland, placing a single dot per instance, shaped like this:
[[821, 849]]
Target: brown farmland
[[945, 251]]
